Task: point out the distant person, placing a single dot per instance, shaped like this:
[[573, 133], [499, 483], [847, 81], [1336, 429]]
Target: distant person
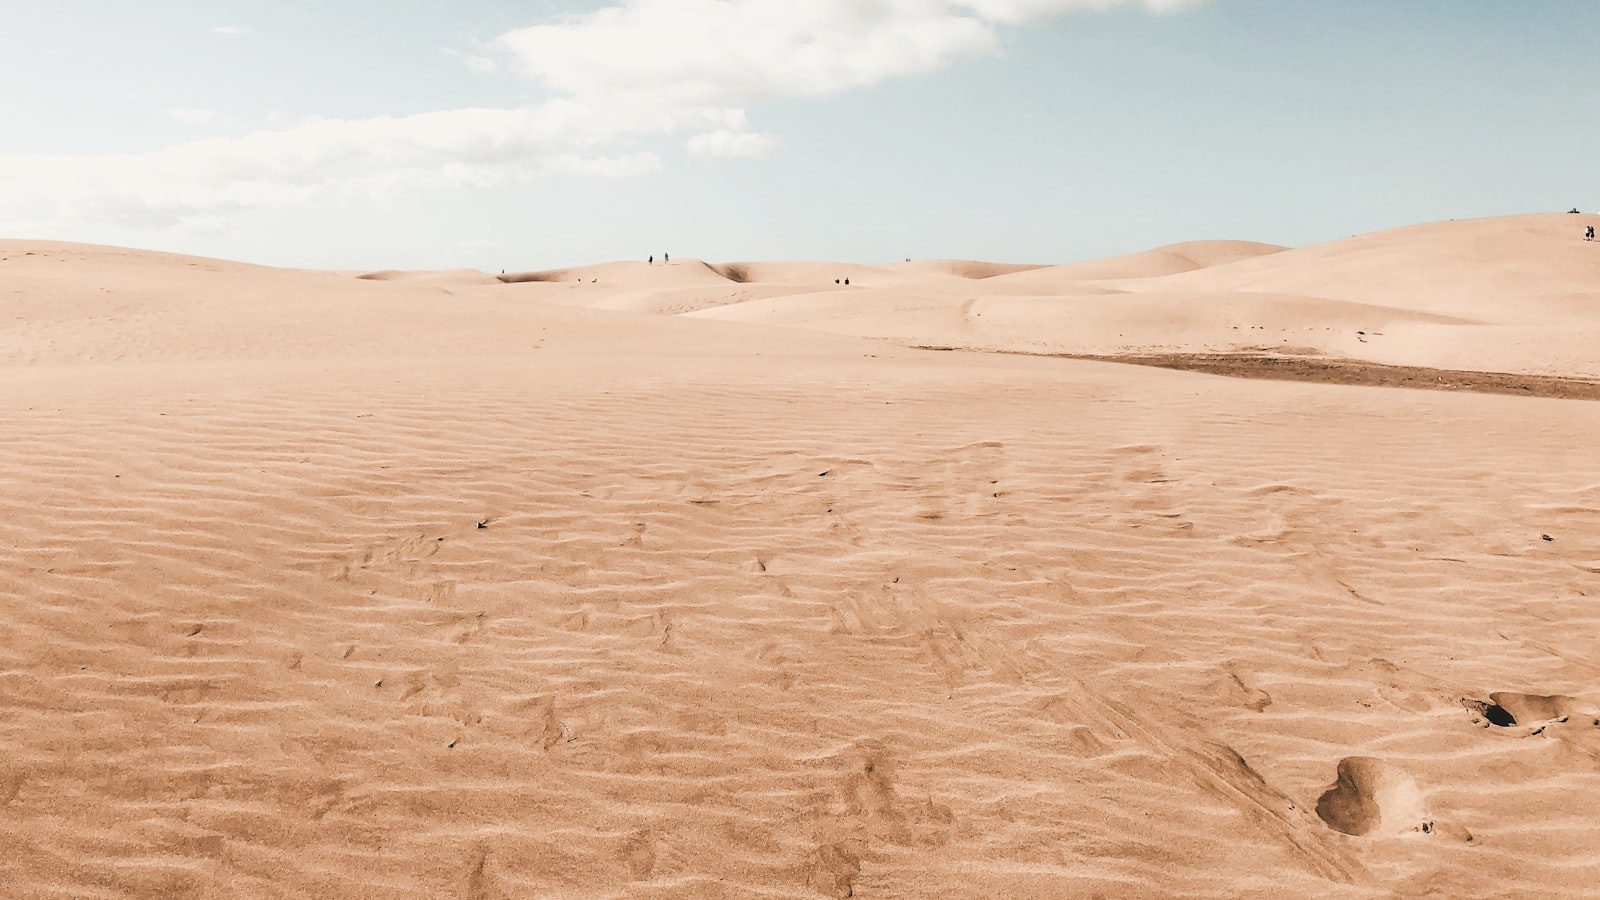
[[666, 259], [1589, 235], [847, 282], [836, 281], [652, 259]]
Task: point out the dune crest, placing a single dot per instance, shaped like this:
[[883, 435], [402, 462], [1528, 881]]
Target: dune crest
[[1514, 296]]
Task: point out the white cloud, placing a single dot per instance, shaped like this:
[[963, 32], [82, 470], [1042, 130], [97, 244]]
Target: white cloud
[[638, 71], [725, 144], [738, 52], [709, 52], [230, 29], [479, 148]]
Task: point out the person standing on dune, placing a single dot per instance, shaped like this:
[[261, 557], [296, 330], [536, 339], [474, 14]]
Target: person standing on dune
[[1589, 235], [652, 259], [666, 259]]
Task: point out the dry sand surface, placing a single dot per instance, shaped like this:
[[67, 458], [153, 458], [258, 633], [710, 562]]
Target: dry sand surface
[[427, 585]]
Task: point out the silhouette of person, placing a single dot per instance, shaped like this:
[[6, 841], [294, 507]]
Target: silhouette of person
[[1589, 235], [836, 281], [652, 259], [666, 259], [847, 282]]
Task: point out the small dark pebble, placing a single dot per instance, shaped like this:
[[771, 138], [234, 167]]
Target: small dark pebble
[[1547, 538], [483, 524]]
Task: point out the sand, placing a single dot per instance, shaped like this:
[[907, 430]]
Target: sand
[[429, 585]]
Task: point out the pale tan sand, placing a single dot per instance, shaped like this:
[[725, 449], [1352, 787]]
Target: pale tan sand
[[1512, 295], [1170, 260], [766, 612]]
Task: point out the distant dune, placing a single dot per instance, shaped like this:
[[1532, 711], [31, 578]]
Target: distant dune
[[702, 580], [1168, 260], [1522, 269], [961, 268], [455, 277], [1515, 295]]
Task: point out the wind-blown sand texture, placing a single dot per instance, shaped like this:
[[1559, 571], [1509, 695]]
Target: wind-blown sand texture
[[429, 585]]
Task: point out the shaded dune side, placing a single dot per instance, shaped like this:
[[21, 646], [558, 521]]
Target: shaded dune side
[[627, 273], [737, 273], [549, 275]]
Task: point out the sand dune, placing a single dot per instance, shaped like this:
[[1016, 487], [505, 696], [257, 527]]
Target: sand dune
[[454, 277], [313, 585], [1516, 270], [1168, 260], [627, 274], [1514, 295], [961, 268], [687, 286]]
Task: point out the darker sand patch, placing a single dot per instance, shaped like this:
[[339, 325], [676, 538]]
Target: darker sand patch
[[734, 272], [552, 275], [1342, 371], [1370, 795]]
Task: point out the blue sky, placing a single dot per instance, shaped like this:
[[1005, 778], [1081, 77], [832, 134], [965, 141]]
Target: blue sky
[[424, 133]]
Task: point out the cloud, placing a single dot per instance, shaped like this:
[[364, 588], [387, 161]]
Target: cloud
[[230, 29], [335, 158], [727, 144], [740, 52], [619, 79], [706, 52]]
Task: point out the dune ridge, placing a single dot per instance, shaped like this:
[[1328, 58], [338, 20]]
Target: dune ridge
[[1514, 295]]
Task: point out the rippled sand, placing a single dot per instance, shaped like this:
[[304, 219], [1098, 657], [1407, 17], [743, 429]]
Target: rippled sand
[[432, 586]]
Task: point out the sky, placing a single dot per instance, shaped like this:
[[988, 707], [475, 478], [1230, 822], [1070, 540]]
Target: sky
[[517, 135]]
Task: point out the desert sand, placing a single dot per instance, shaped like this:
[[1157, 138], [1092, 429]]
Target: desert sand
[[711, 580]]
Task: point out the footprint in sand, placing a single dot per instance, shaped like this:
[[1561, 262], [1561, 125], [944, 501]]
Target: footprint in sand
[[831, 870], [1373, 798], [1236, 687], [1526, 715], [639, 855]]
